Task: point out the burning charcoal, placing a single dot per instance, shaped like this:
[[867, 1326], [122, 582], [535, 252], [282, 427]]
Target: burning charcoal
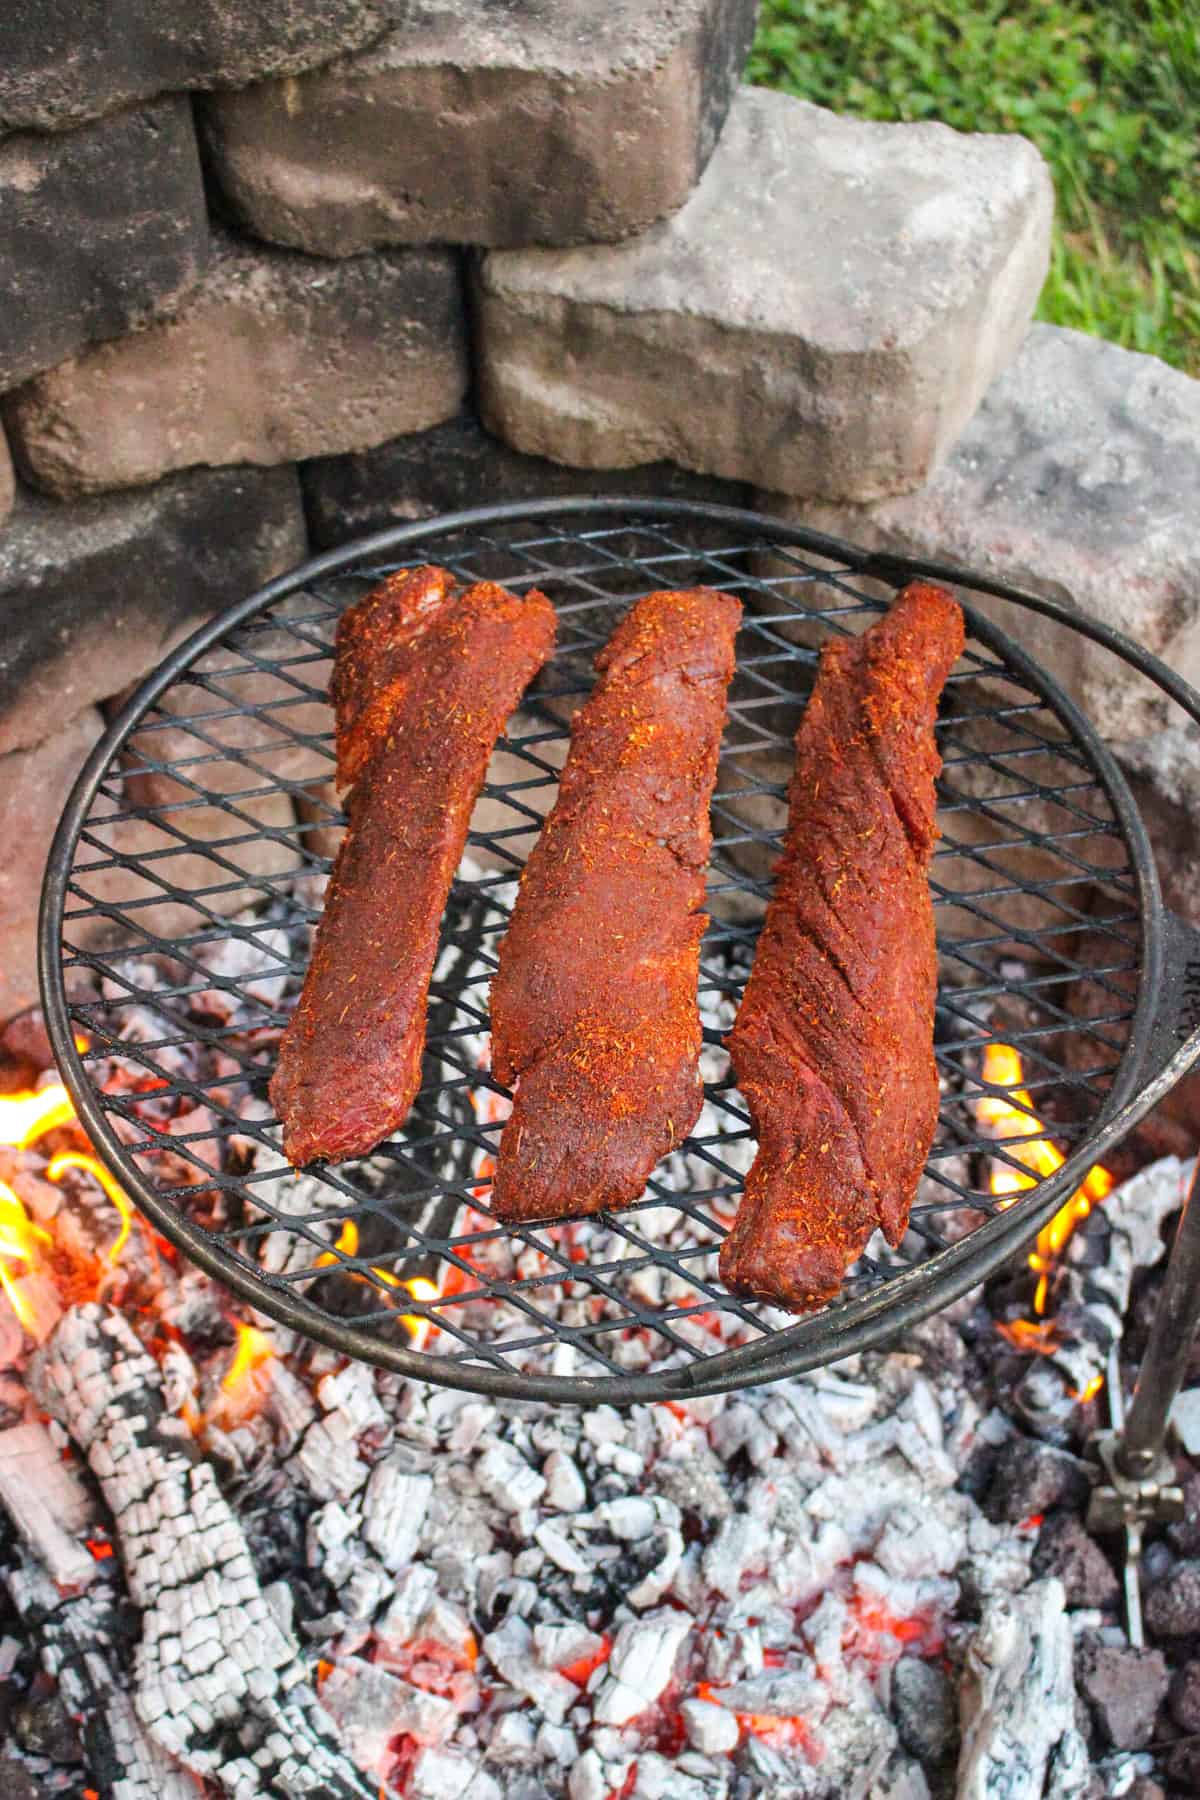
[[1124, 1689], [216, 1682], [511, 1652], [1172, 1607], [394, 1508], [48, 1503], [1065, 1549], [562, 1552], [446, 1775], [512, 1739], [16, 1783], [713, 1730], [589, 1779], [328, 1461], [641, 1664], [507, 1478], [372, 1707], [1018, 1697], [565, 1490], [1030, 1478], [926, 1710], [44, 1727]]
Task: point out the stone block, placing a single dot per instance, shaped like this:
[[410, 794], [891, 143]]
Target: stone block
[[271, 358], [822, 317], [63, 62], [519, 124], [1076, 479], [7, 487], [100, 229], [34, 784], [93, 594], [457, 465]]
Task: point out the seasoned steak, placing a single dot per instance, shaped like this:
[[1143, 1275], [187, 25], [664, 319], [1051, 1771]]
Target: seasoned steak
[[424, 677], [833, 1044], [594, 1011]]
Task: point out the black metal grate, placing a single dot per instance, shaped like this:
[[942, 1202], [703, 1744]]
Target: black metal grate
[[189, 853]]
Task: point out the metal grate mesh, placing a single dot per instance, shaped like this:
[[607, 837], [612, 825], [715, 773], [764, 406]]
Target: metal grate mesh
[[197, 878]]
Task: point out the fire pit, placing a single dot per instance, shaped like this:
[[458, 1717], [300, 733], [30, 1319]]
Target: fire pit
[[396, 1259]]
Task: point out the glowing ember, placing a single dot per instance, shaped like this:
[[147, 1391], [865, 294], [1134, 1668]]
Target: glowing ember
[[254, 1348], [20, 1242], [1011, 1117], [26, 1117], [74, 1159], [782, 1733], [1084, 1394], [1037, 1337]]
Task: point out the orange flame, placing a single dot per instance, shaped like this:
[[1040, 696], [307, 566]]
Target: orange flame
[[419, 1329], [75, 1159], [19, 1243], [254, 1348], [1010, 1117], [26, 1117]]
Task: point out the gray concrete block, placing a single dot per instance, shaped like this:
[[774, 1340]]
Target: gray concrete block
[[526, 123], [63, 62], [821, 317], [100, 229], [1078, 478], [92, 595], [271, 358]]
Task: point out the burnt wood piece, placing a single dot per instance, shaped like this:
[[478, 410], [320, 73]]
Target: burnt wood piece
[[594, 1008], [424, 677], [833, 1044]]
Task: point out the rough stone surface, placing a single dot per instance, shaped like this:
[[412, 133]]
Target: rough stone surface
[[99, 230], [1172, 1607], [529, 123], [459, 464], [34, 785], [1077, 479], [1124, 1689], [93, 594], [273, 357], [65, 61], [1185, 1696], [1065, 1549], [7, 486], [822, 317], [1030, 1478], [926, 1707]]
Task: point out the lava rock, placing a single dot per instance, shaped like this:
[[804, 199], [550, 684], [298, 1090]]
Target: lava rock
[[1185, 1696], [99, 230], [16, 1783], [728, 339], [516, 124], [1184, 1534], [272, 357], [1032, 1477], [1181, 1766], [1124, 1688], [44, 1727], [926, 1710], [1065, 1549], [1172, 1607], [93, 594]]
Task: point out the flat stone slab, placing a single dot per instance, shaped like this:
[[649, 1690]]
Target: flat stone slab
[[457, 465], [821, 317], [99, 229], [1078, 478], [271, 358], [66, 61], [7, 487], [34, 784], [94, 594], [523, 123]]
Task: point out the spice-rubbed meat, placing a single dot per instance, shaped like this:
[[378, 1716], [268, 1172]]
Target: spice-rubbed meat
[[424, 677], [594, 1005], [833, 1044]]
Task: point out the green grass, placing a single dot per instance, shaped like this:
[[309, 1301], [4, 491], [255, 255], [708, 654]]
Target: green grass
[[1109, 91]]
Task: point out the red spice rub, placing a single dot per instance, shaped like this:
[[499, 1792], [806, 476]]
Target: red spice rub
[[833, 1044], [424, 677], [594, 1005]]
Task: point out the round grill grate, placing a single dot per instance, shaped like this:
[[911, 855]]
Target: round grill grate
[[188, 873]]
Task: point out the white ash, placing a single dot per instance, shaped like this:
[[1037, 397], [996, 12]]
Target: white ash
[[217, 1684], [48, 1503], [1018, 1702]]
